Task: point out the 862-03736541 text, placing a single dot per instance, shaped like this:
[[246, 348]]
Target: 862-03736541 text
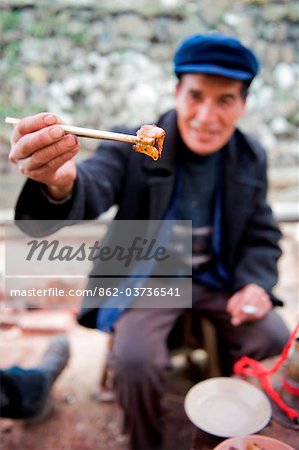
[[97, 291]]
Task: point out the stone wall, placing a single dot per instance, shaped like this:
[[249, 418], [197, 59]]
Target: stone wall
[[110, 62]]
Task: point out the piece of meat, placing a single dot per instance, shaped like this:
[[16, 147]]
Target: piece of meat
[[154, 134]]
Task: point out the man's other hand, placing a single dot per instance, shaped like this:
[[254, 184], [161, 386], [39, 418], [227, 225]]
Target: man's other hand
[[248, 304], [43, 152]]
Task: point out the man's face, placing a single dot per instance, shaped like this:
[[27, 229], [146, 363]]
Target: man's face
[[208, 107]]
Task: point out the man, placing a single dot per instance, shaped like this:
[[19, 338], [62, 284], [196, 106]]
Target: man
[[210, 172]]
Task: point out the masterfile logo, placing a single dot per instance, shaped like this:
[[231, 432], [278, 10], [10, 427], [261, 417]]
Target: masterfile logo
[[139, 250]]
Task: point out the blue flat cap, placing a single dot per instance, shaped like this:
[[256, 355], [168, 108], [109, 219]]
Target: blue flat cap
[[216, 54]]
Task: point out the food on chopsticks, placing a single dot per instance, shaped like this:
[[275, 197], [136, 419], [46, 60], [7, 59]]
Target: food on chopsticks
[[154, 133], [149, 139]]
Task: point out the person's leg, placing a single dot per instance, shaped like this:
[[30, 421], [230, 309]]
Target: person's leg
[[139, 359], [55, 357], [24, 393], [259, 339]]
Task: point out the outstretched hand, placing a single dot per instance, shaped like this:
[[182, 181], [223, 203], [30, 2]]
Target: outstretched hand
[[248, 304], [43, 152]]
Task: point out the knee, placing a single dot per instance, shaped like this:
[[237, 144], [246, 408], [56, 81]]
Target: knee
[[273, 338], [134, 359]]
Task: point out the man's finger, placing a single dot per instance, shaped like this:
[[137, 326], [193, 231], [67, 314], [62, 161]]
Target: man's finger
[[37, 140], [42, 157], [34, 123], [51, 168]]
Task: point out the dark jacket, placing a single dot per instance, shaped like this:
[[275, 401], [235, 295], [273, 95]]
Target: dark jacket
[[142, 189]]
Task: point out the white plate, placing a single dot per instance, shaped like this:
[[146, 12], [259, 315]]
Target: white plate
[[227, 407]]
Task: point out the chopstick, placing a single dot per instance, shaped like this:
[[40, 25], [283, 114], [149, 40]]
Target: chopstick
[[96, 134]]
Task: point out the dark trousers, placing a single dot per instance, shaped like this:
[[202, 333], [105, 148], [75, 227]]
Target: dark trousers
[[140, 357]]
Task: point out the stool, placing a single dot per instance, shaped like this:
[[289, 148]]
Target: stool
[[192, 341], [194, 338]]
